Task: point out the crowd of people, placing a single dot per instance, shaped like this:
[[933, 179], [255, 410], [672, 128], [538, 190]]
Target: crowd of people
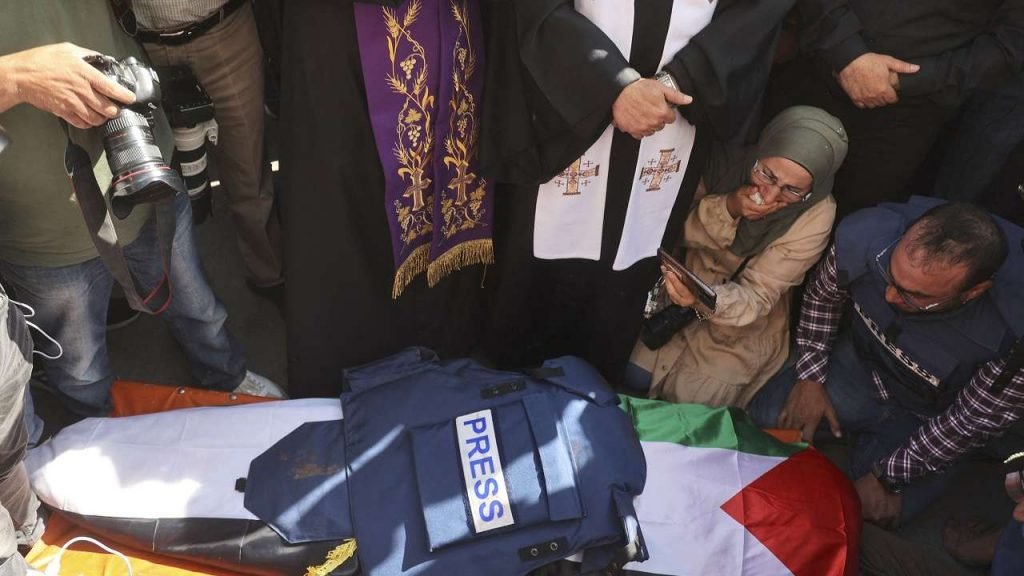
[[496, 178]]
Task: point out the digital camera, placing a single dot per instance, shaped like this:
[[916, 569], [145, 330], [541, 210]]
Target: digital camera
[[140, 172]]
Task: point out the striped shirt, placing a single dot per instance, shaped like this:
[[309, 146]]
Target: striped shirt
[[976, 415], [173, 14]]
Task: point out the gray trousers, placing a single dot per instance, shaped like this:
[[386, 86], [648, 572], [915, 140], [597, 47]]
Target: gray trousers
[[228, 62], [18, 505]]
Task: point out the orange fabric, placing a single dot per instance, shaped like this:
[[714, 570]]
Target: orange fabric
[[85, 559], [135, 398], [783, 435]]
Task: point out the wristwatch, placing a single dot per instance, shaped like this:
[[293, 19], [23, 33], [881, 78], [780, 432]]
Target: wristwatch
[[666, 78], [891, 486]]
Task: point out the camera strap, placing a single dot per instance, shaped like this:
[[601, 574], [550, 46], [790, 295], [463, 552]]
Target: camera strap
[[98, 221], [125, 16]]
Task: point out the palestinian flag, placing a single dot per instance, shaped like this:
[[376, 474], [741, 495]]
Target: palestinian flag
[[724, 498]]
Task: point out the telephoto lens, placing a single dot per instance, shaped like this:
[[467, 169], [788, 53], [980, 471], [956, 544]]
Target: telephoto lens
[[190, 154], [4, 140]]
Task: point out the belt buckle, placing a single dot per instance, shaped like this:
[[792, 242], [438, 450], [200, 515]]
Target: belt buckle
[[184, 34]]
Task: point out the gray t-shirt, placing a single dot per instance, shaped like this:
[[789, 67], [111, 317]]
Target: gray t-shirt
[[40, 222]]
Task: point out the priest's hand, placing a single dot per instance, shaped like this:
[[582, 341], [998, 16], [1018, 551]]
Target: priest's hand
[[55, 79], [645, 107], [871, 80], [677, 291], [878, 505], [742, 203], [807, 404]]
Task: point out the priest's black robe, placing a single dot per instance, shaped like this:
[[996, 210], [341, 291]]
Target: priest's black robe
[[555, 100], [339, 267]]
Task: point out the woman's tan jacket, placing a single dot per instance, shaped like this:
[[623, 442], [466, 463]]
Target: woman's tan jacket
[[726, 359]]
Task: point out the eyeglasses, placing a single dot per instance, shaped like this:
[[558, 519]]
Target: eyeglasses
[[907, 298], [768, 178]]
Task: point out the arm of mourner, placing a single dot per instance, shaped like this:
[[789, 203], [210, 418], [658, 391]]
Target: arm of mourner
[[778, 268], [977, 415], [726, 78], [993, 56], [555, 39], [54, 78], [819, 320]]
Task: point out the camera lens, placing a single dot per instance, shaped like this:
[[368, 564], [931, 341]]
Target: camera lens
[[140, 173]]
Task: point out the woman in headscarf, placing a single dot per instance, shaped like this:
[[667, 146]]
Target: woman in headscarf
[[768, 216]]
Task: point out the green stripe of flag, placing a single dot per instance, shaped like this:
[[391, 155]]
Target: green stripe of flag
[[702, 427]]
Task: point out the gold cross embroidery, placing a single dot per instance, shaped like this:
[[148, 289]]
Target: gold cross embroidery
[[655, 175], [416, 188], [573, 177], [462, 179]]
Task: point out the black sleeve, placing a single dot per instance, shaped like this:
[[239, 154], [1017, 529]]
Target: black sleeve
[[988, 60], [573, 63], [831, 28], [725, 66]]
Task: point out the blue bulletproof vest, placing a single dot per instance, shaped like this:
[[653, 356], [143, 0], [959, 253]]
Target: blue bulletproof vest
[[924, 359], [450, 468]]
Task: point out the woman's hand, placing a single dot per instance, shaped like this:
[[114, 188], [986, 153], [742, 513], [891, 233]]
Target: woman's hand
[[677, 291], [743, 203]]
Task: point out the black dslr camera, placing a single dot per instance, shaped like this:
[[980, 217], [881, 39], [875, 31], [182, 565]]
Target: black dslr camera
[[140, 173]]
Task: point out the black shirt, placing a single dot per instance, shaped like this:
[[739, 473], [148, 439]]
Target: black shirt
[[959, 44]]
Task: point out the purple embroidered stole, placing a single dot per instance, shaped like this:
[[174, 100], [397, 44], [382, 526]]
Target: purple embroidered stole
[[423, 67]]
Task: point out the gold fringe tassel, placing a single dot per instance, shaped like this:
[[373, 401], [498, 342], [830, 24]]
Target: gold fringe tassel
[[335, 558], [464, 254], [416, 263]]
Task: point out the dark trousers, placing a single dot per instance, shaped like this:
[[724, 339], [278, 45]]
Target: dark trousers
[[990, 127], [887, 144]]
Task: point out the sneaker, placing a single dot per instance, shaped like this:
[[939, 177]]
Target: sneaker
[[120, 314], [255, 385], [27, 536]]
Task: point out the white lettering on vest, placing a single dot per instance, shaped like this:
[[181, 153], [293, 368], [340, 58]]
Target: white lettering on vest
[[899, 354], [482, 472]]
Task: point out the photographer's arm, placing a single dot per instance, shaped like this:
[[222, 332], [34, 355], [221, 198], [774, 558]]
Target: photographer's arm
[[55, 79]]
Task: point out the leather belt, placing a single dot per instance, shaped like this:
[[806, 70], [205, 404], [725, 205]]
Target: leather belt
[[192, 31]]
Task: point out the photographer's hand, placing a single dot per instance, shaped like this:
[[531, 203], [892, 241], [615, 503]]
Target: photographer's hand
[[54, 78]]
